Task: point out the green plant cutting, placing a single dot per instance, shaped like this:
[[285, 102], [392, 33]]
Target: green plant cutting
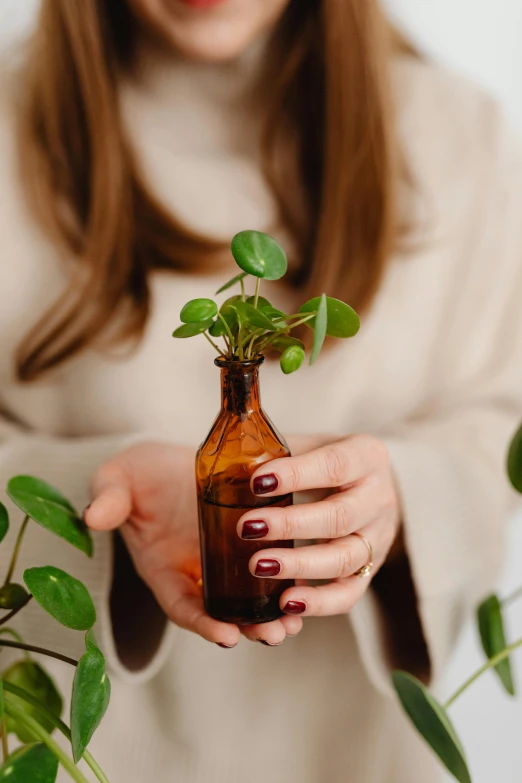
[[248, 325], [30, 703], [428, 715]]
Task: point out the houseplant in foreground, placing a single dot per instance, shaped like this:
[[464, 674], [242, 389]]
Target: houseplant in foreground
[[428, 715], [243, 437], [30, 703]]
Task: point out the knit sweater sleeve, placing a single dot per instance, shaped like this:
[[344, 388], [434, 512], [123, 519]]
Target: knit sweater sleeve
[[450, 461]]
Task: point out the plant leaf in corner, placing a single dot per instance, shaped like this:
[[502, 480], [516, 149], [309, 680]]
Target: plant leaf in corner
[[4, 522], [432, 722], [63, 597], [33, 679], [90, 697], [32, 764], [492, 635], [50, 509], [514, 461]]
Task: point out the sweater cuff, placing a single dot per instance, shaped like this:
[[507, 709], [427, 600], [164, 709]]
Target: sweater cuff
[[454, 546]]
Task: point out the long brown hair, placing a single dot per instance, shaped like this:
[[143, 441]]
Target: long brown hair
[[330, 84]]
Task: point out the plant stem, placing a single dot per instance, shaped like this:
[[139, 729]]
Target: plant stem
[[488, 665], [213, 344], [512, 598], [16, 551], [41, 734], [228, 330], [14, 612], [5, 743], [256, 295], [38, 651], [59, 724], [243, 294], [15, 636]]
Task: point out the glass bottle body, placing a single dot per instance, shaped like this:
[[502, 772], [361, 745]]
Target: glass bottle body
[[241, 439]]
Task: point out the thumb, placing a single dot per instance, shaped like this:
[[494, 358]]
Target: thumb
[[112, 499]]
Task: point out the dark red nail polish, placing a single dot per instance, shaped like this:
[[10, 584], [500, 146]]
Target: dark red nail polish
[[226, 646], [294, 607], [268, 567], [254, 528], [85, 510], [265, 484], [267, 644]]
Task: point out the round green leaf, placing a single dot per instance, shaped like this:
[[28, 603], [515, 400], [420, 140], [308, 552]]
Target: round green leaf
[[291, 359], [33, 764], [90, 697], [432, 722], [191, 330], [493, 637], [320, 326], [514, 461], [4, 522], [231, 283], [13, 596], [261, 302], [342, 320], [33, 679], [198, 310], [250, 316], [259, 254], [63, 597], [50, 509], [275, 315]]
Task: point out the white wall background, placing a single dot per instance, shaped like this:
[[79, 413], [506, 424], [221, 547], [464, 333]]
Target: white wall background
[[482, 39]]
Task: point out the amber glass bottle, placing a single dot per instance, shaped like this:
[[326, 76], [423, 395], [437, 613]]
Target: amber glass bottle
[[241, 440]]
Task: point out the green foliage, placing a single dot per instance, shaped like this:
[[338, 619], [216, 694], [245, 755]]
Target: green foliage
[[191, 330], [249, 324], [291, 359], [342, 320], [48, 507], [90, 698], [492, 635], [432, 722], [320, 327], [4, 522], [259, 255], [33, 679], [198, 310], [32, 764], [62, 596], [514, 461], [12, 596]]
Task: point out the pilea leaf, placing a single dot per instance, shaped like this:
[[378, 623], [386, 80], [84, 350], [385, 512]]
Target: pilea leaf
[[63, 597], [50, 509], [90, 697]]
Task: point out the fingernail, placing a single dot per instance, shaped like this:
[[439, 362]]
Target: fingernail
[[85, 510], [254, 528], [265, 484], [268, 568], [267, 644], [294, 607], [226, 646]]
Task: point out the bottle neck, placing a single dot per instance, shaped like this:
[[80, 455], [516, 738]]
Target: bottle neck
[[240, 387]]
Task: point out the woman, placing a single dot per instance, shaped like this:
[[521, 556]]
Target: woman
[[139, 136]]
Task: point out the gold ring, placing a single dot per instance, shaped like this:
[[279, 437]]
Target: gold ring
[[367, 569]]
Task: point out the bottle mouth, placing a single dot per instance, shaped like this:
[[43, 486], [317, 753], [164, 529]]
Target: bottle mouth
[[237, 363]]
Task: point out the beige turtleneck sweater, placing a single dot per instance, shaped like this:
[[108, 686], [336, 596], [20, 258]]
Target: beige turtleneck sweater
[[436, 372]]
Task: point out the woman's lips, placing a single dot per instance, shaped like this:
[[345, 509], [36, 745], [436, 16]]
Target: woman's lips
[[202, 3]]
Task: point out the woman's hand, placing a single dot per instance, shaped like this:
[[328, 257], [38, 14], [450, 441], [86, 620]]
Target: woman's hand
[[148, 492], [363, 499]]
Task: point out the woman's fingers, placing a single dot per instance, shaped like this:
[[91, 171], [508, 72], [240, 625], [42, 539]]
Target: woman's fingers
[[336, 517], [340, 464], [112, 501], [335, 598], [335, 560], [182, 602]]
